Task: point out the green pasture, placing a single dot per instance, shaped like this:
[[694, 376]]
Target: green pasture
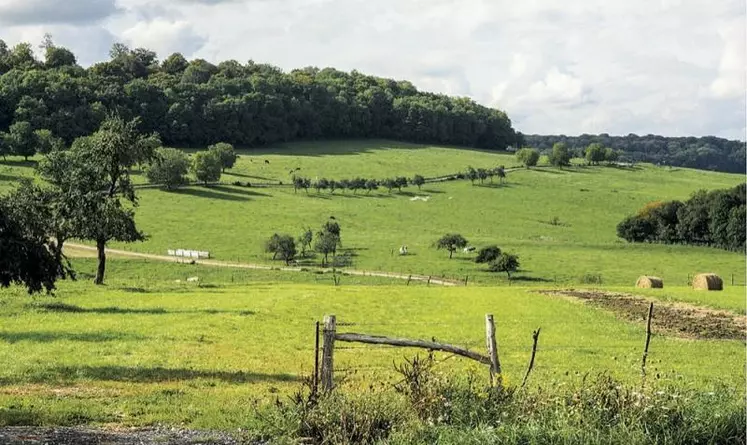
[[561, 223], [144, 350]]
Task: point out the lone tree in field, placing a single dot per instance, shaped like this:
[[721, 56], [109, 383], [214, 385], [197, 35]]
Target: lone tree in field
[[328, 239], [418, 181], [594, 153], [98, 177], [169, 167], [506, 262], [206, 166], [488, 254], [560, 156], [283, 246], [226, 153], [305, 241], [451, 242], [528, 156], [28, 256]]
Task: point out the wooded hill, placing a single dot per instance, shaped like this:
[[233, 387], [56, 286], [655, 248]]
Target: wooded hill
[[195, 103]]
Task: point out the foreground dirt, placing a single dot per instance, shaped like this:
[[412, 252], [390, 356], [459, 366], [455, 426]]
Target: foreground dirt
[[91, 436], [676, 319]]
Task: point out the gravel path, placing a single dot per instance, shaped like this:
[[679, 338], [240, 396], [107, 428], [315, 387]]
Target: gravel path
[[21, 435], [399, 276]]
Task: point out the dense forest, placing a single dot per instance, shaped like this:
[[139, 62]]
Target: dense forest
[[714, 218], [196, 103], [705, 153]]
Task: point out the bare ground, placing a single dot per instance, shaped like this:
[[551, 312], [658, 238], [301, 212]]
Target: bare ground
[[92, 436], [682, 320]]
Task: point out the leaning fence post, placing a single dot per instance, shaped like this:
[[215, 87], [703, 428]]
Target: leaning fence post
[[535, 338], [330, 326], [495, 365], [648, 340]]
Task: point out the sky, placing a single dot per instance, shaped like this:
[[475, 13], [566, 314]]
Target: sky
[[669, 67]]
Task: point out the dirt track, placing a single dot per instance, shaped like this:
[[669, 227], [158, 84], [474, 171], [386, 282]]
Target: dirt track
[[86, 250]]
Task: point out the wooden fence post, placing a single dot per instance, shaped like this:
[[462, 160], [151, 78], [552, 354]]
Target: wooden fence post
[[535, 338], [466, 277], [316, 359], [328, 349], [408, 279], [495, 365], [429, 281]]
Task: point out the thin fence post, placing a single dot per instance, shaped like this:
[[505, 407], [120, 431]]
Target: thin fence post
[[429, 281], [732, 279], [648, 340], [535, 338], [495, 365], [466, 277], [409, 277], [316, 359], [330, 327]]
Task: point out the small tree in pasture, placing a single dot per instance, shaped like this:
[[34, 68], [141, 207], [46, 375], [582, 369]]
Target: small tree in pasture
[[333, 185], [344, 184], [371, 185], [528, 156], [226, 154], [21, 139], [390, 184], [401, 181], [283, 246], [206, 166], [326, 243], [560, 156], [305, 240], [611, 155], [418, 181], [471, 174], [169, 167], [488, 254], [46, 142], [506, 262], [451, 242], [500, 171], [594, 153], [482, 175]]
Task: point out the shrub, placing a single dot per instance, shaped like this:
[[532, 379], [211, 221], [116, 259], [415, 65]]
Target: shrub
[[591, 278], [169, 167], [528, 156], [488, 254], [506, 262]]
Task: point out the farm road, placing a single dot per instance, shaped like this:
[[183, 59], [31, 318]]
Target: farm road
[[72, 249]]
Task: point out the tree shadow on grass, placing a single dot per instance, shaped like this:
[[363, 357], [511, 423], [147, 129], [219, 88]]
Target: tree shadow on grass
[[46, 337], [71, 308], [549, 171], [237, 191], [210, 194], [145, 375], [530, 279]]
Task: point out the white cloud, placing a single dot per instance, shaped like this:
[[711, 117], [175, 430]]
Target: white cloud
[[673, 67], [165, 37]]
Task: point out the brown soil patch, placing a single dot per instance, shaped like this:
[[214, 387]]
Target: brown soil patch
[[676, 319]]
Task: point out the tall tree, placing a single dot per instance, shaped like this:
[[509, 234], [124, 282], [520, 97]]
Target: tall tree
[[451, 242], [21, 139]]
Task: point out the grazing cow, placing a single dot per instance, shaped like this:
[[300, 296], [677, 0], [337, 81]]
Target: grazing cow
[[403, 250], [266, 161], [193, 279], [469, 249]]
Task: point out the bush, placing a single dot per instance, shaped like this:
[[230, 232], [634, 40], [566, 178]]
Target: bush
[[528, 156], [488, 254], [169, 168], [591, 279]]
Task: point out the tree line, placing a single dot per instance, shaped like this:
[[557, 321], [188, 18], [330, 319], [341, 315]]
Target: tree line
[[706, 153], [196, 103], [715, 218]]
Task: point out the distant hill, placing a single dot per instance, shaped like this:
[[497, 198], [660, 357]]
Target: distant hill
[[705, 153]]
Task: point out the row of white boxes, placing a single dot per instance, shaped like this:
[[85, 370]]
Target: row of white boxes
[[188, 253]]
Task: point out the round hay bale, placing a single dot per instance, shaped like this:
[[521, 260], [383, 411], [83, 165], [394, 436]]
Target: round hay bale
[[647, 282], [708, 281]]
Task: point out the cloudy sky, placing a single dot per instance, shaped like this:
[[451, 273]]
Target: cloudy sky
[[671, 67]]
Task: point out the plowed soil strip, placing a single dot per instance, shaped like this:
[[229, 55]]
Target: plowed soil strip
[[675, 319]]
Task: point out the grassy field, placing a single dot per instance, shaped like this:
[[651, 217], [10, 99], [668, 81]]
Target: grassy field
[[146, 350], [586, 202]]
